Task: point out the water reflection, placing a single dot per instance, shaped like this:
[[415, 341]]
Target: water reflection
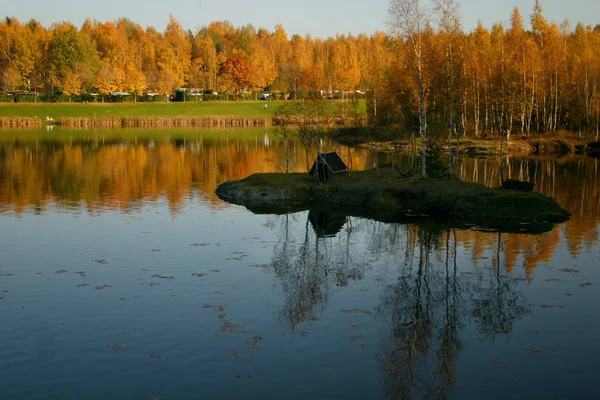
[[430, 305], [326, 223], [312, 263], [426, 307], [118, 169], [122, 169]]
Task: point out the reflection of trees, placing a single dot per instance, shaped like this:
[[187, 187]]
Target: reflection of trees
[[119, 172], [496, 305], [426, 308], [572, 180], [308, 268]]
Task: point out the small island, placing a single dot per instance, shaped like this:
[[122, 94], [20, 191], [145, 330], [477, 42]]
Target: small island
[[382, 195]]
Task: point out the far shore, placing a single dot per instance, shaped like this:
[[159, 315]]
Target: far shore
[[552, 143], [184, 109], [241, 114]]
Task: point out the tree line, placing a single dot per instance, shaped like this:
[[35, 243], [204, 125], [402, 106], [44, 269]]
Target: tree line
[[123, 56], [425, 72]]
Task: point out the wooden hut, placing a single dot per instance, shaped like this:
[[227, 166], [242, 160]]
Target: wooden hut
[[327, 167]]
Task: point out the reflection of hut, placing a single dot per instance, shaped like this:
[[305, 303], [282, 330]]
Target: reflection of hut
[[327, 167], [326, 224]]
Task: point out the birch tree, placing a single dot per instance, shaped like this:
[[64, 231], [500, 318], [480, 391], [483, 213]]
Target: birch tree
[[408, 20], [449, 24]]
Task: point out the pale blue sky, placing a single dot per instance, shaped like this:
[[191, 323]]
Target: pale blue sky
[[317, 17]]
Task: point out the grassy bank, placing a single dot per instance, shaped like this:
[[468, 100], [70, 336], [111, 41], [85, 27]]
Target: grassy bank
[[188, 109], [383, 196], [90, 110]]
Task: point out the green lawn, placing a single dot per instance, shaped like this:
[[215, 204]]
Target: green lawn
[[241, 108]]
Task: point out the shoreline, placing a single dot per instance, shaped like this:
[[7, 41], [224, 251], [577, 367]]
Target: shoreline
[[559, 143], [162, 122]]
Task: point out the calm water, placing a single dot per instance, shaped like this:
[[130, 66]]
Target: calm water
[[122, 276]]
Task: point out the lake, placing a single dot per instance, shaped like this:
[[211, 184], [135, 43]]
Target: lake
[[123, 276]]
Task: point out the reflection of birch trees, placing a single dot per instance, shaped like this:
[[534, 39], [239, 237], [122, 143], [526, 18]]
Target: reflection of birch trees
[[426, 310], [310, 266], [496, 304]]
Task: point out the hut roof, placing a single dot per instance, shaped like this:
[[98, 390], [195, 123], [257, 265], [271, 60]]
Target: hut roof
[[333, 161]]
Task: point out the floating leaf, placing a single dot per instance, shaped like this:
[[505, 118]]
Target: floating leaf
[[504, 367], [228, 327], [158, 276], [542, 305], [533, 351], [254, 341]]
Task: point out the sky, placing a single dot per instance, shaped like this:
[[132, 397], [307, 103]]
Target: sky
[[319, 18]]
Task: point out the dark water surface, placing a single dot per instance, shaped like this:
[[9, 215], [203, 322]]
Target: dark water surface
[[122, 276]]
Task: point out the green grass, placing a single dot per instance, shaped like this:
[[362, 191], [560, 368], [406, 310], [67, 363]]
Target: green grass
[[62, 110]]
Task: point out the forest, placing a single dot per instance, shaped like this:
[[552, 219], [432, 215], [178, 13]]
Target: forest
[[532, 76]]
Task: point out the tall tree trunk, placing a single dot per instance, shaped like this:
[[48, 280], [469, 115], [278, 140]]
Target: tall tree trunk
[[422, 120], [451, 111]]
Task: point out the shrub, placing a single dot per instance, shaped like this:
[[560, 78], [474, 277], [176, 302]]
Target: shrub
[[25, 98]]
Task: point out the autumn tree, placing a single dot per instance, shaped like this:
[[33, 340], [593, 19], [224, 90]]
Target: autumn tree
[[69, 49], [21, 52], [236, 73], [449, 26], [408, 20]]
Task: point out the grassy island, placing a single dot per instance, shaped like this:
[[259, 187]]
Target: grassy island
[[382, 196]]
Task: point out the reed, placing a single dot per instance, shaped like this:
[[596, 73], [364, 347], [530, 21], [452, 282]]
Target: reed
[[329, 122], [163, 122], [20, 122]]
